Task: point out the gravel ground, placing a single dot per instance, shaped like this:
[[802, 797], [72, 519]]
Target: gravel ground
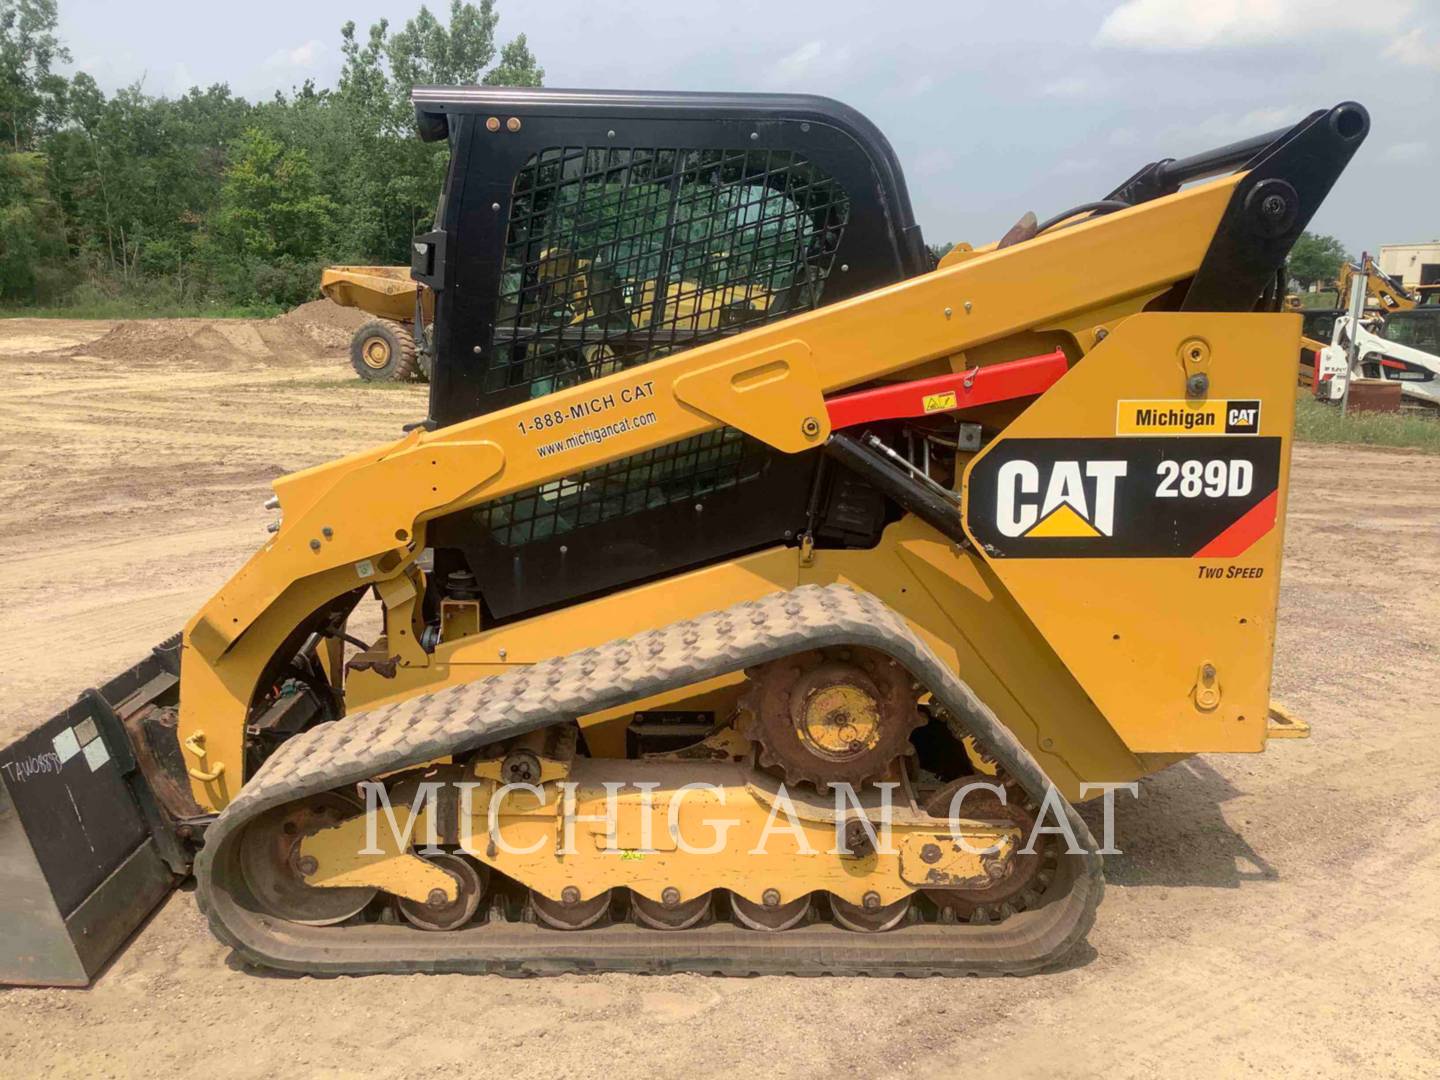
[[1272, 915]]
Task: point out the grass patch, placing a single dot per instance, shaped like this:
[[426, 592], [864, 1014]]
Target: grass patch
[[130, 308], [1315, 421], [1324, 300]]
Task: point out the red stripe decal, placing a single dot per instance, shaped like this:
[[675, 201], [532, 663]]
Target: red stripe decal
[[1251, 526], [1006, 381]]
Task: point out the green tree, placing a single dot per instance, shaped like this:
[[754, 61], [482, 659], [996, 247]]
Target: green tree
[[1316, 259], [272, 222], [390, 181], [206, 196], [138, 176], [32, 243], [379, 73], [32, 97], [517, 66], [270, 204]]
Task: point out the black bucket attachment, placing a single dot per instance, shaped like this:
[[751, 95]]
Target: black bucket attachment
[[86, 849]]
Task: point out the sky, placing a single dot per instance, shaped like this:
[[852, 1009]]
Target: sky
[[995, 108]]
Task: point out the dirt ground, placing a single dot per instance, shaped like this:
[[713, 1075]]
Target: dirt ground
[[1272, 915]]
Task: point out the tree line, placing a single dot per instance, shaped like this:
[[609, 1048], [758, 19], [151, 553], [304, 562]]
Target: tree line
[[208, 198]]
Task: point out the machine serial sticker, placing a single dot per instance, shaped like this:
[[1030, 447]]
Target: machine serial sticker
[[1165, 497], [940, 402], [96, 754], [1188, 417], [66, 745]]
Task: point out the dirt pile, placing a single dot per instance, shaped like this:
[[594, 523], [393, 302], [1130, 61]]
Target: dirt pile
[[328, 325], [212, 343]]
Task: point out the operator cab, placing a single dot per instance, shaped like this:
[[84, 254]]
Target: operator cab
[[585, 233]]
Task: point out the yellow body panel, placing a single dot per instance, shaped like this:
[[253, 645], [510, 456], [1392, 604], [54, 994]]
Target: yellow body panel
[[360, 521], [1137, 631]]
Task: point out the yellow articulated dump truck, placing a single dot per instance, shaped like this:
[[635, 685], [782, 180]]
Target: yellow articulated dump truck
[[385, 349], [756, 595]]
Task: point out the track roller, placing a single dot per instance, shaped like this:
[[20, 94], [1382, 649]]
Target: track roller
[[441, 914], [770, 916], [677, 915], [870, 918], [570, 912]]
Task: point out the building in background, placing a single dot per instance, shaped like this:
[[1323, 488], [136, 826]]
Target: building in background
[[1413, 265]]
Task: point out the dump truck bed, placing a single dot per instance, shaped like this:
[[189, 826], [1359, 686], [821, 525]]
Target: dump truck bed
[[387, 292]]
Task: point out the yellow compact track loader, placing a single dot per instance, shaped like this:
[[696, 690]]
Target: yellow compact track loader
[[770, 610]]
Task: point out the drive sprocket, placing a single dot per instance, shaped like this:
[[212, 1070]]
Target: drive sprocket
[[830, 716]]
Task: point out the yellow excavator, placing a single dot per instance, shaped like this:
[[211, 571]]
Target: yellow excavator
[[1383, 294], [789, 643]]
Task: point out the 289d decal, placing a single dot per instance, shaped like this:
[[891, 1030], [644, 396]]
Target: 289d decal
[[1129, 497]]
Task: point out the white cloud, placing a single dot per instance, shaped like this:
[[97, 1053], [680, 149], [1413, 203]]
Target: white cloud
[[300, 58], [1193, 25], [1070, 86], [811, 64], [916, 87], [1406, 151], [1414, 50], [1226, 126]]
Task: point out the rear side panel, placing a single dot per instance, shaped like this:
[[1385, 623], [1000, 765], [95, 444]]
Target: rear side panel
[[1141, 529]]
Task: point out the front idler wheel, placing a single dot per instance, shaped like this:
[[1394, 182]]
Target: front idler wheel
[[274, 869]]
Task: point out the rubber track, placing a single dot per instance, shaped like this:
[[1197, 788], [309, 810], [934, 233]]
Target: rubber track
[[461, 718]]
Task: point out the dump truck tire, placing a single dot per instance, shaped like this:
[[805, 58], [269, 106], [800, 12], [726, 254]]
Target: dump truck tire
[[383, 351]]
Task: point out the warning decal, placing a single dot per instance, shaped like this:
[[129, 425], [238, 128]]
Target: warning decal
[[1126, 497]]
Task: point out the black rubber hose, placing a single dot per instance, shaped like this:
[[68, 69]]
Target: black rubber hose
[[1101, 206], [928, 506]]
